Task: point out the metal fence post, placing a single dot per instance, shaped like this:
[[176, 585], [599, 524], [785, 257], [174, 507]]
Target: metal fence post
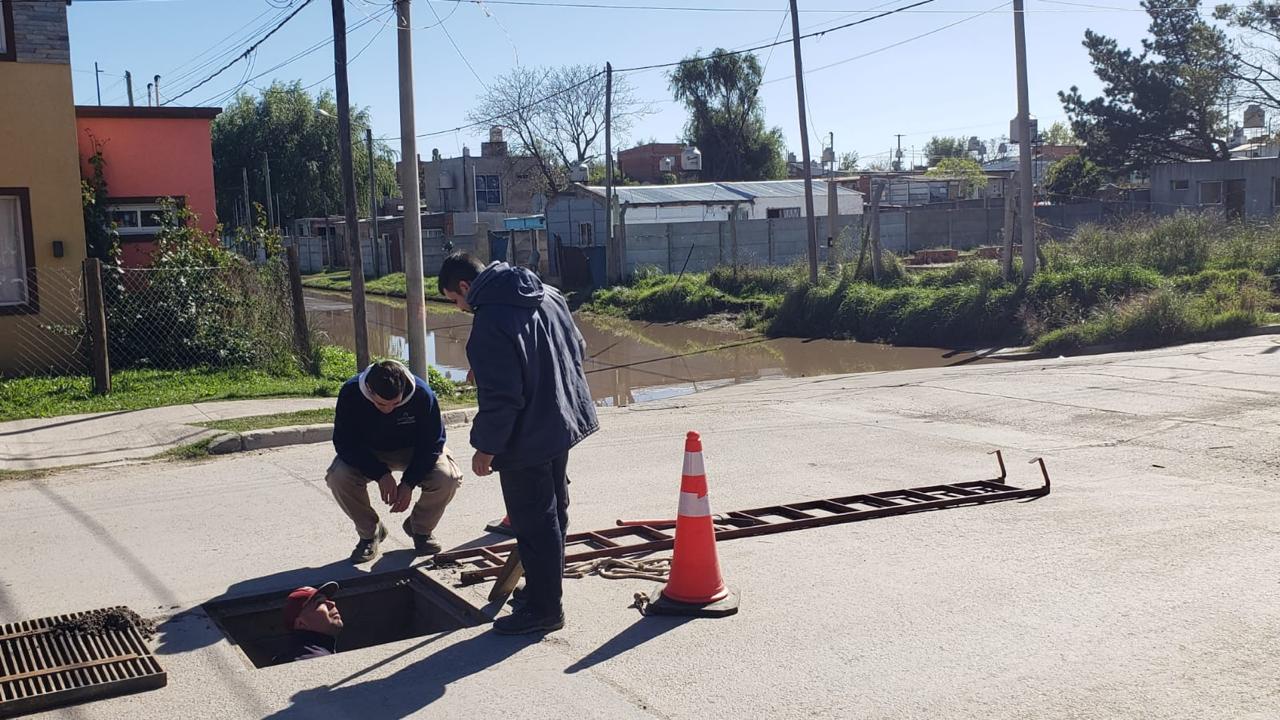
[[95, 310]]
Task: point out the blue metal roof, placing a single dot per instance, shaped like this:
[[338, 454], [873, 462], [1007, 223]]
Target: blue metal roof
[[712, 193]]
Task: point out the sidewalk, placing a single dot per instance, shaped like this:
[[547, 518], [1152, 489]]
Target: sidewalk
[[125, 435]]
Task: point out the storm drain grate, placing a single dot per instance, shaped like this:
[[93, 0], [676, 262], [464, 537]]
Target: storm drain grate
[[67, 659]]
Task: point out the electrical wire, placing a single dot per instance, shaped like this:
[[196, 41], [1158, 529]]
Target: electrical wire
[[242, 55], [456, 49]]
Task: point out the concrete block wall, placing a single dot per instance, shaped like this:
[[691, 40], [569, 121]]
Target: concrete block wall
[[40, 32], [704, 245]]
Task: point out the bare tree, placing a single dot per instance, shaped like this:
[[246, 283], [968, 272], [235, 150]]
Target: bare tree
[[557, 115]]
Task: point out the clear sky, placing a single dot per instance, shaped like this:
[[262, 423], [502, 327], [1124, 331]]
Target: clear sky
[[943, 68]]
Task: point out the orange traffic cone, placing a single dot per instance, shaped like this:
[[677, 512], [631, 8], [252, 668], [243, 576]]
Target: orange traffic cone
[[501, 527], [695, 587]]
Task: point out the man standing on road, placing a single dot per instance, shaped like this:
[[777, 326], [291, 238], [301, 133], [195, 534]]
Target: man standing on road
[[534, 405], [387, 419]]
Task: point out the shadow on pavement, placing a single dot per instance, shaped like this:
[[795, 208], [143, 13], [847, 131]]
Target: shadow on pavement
[[408, 690], [639, 633]]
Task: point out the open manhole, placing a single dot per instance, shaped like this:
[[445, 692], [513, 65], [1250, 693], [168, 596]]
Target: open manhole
[[65, 659], [376, 609]]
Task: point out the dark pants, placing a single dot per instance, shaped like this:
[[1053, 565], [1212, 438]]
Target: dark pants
[[537, 500]]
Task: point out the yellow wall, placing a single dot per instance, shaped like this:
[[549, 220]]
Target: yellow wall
[[38, 151]]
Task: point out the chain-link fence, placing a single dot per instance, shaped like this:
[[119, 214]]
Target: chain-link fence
[[53, 340], [235, 315], [238, 315]]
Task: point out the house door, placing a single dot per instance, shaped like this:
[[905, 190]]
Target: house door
[[1233, 198]]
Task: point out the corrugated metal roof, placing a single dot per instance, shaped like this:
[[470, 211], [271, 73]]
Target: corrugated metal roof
[[713, 193]]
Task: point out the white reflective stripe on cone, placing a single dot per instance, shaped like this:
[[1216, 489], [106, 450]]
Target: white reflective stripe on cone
[[693, 506], [693, 464]]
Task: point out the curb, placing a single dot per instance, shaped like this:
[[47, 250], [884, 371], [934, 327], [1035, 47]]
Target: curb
[[227, 443], [1026, 353]]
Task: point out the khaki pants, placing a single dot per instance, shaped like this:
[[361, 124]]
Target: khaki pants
[[350, 488]]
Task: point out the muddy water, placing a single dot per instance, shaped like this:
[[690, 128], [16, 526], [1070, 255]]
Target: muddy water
[[630, 362]]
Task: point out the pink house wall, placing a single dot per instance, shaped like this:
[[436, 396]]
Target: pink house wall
[[149, 153]]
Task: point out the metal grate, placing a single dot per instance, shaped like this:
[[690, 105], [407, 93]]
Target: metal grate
[[43, 666]]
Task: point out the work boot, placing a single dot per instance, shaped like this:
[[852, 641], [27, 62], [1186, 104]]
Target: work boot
[[422, 544], [367, 550], [524, 621], [518, 597]]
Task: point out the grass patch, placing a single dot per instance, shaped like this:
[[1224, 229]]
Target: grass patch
[[190, 451], [39, 397], [264, 422], [393, 285], [1141, 282]]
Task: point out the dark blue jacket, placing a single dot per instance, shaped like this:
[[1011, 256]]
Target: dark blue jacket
[[305, 645], [527, 357], [359, 429]]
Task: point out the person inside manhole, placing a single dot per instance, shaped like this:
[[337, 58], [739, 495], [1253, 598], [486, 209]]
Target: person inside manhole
[[388, 420], [534, 405], [314, 623]]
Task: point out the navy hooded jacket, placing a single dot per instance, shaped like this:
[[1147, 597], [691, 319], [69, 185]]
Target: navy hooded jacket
[[527, 357], [359, 429]]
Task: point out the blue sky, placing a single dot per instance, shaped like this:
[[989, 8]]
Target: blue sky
[[922, 78]]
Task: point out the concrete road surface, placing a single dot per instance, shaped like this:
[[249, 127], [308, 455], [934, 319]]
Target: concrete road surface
[[1144, 586]]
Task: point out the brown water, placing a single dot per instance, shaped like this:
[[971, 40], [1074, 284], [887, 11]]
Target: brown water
[[630, 362]]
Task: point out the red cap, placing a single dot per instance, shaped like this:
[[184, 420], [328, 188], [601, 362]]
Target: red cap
[[299, 598]]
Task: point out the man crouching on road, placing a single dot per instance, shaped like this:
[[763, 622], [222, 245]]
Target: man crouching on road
[[534, 405], [388, 419]]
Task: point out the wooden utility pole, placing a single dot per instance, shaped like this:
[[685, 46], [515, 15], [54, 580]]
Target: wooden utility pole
[[811, 225], [615, 275], [128, 82], [415, 299], [877, 263], [356, 261], [244, 179], [271, 207], [301, 332], [97, 80], [373, 205], [1026, 202], [95, 309]]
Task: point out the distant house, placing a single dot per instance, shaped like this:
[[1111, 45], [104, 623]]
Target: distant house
[[644, 163], [150, 153], [1246, 187], [494, 182]]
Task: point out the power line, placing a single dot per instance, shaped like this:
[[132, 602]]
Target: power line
[[456, 49], [242, 55], [818, 33], [359, 52]]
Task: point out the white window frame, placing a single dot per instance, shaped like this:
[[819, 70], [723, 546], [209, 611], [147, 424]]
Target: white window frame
[[479, 188], [1205, 183], [15, 233], [137, 209]]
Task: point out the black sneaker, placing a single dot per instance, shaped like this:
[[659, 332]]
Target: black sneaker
[[367, 550], [519, 597], [422, 544], [522, 622]]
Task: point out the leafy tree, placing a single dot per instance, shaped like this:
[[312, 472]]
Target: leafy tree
[[1059, 133], [1073, 179], [965, 169], [283, 123], [1163, 103], [726, 117], [945, 147], [557, 115], [848, 162]]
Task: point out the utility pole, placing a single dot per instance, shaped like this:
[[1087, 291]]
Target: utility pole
[[97, 80], [1006, 250], [244, 178], [1026, 202], [415, 299], [356, 261], [897, 159], [128, 82], [811, 223], [373, 202], [271, 208], [615, 261]]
